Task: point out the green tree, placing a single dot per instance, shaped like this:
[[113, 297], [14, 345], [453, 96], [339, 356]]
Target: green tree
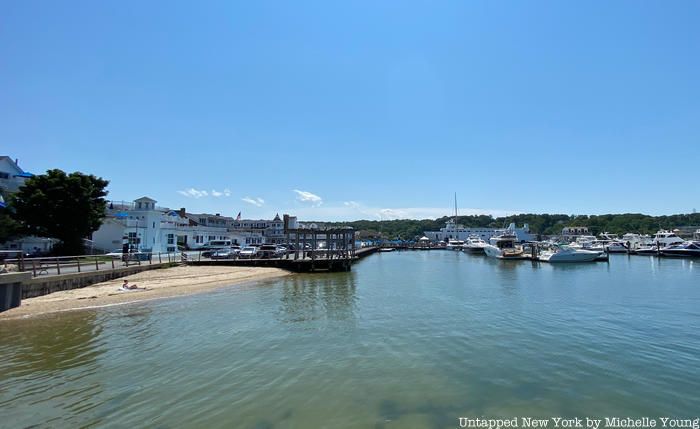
[[8, 226], [68, 207]]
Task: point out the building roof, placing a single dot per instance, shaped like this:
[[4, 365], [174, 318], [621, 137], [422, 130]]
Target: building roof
[[142, 199], [209, 215], [14, 165]]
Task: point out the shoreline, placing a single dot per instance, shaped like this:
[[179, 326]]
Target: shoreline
[[159, 284]]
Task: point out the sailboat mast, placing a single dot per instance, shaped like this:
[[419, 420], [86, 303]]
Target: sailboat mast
[[455, 208]]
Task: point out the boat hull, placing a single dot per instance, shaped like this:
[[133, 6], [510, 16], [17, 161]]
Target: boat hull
[[571, 257], [681, 253], [495, 252]]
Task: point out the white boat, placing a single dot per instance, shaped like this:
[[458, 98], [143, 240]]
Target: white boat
[[647, 250], [386, 249], [665, 238], [636, 241], [504, 247], [616, 247], [583, 241], [474, 244], [687, 249], [568, 254], [456, 231], [454, 245], [608, 236]]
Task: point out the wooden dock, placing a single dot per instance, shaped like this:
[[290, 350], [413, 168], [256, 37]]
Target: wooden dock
[[304, 264]]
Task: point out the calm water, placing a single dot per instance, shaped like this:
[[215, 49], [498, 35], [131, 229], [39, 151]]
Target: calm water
[[410, 339]]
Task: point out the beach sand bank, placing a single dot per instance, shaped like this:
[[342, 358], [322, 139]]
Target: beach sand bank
[[161, 283]]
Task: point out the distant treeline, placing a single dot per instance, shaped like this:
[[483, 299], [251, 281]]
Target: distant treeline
[[545, 224]]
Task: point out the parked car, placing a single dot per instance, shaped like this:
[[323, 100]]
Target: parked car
[[223, 254], [293, 247], [140, 256], [116, 254], [248, 252], [267, 251]]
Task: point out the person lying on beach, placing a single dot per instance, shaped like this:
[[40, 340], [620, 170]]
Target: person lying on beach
[[127, 286]]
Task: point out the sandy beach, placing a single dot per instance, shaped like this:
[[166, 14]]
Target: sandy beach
[[162, 283]]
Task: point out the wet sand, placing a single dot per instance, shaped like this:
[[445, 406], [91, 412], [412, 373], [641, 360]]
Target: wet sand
[[161, 283]]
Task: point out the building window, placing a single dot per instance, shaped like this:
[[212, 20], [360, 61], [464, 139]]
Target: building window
[[212, 237], [4, 175], [171, 238], [133, 238]]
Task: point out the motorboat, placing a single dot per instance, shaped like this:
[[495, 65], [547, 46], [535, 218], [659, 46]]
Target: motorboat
[[649, 249], [616, 247], [474, 244], [565, 253], [665, 238], [583, 242], [454, 245], [636, 241], [608, 236], [593, 245], [504, 247], [687, 249], [386, 249]]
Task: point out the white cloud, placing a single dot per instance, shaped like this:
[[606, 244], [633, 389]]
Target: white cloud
[[353, 210], [308, 197], [258, 202], [194, 193]]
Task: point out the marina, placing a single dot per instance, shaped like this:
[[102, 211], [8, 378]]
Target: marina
[[405, 339], [245, 215]]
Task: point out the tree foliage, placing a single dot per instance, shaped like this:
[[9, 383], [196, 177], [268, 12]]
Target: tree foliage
[[68, 207], [8, 226], [545, 224]]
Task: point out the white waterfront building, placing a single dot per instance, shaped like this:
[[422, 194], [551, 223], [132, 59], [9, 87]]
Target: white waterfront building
[[272, 231], [149, 228], [455, 231]]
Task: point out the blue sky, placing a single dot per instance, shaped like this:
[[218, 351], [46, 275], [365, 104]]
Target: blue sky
[[348, 110]]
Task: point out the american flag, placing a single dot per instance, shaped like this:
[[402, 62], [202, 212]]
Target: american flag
[[239, 216]]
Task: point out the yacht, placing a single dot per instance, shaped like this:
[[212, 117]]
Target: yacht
[[608, 236], [636, 241], [616, 247], [687, 249], [648, 249], [665, 238], [583, 241], [474, 244], [504, 247], [662, 241], [565, 253], [454, 244]]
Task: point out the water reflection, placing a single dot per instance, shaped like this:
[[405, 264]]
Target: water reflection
[[313, 297], [49, 344]]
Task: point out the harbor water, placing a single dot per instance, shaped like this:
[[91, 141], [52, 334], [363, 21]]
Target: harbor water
[[412, 339]]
